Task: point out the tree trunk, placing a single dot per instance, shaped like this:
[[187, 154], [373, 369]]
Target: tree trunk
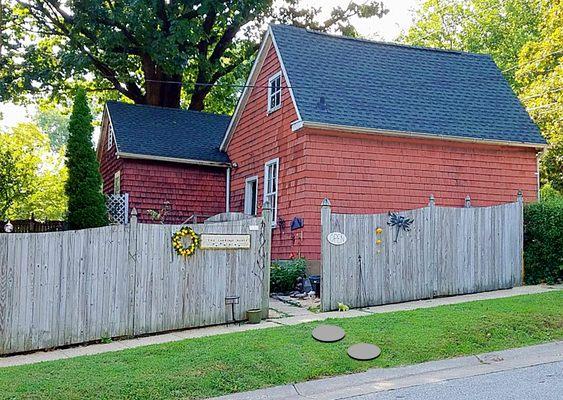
[[162, 90], [197, 102]]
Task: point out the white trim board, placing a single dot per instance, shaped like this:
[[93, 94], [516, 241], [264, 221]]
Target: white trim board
[[173, 159], [417, 135]]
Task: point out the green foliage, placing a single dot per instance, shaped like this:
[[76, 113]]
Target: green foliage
[[55, 124], [237, 362], [540, 75], [283, 276], [548, 193], [86, 203], [496, 27], [146, 51], [31, 175], [543, 239]]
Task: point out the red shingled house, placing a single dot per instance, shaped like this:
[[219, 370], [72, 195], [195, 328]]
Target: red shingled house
[[164, 159], [372, 126]]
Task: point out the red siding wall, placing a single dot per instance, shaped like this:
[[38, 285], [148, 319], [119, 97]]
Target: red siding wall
[[260, 137], [109, 163], [190, 189], [363, 173]]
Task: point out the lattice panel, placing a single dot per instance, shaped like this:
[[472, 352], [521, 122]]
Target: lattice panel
[[118, 208]]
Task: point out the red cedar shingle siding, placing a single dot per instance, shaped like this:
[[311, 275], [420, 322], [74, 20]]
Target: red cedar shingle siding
[[109, 163], [190, 189], [260, 137], [373, 174], [362, 173]]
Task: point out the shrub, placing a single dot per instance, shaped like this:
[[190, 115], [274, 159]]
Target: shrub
[[543, 240], [283, 275]]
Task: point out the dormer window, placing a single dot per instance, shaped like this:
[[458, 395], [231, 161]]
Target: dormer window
[[274, 92], [110, 136]]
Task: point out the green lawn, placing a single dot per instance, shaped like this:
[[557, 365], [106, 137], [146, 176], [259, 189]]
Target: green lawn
[[212, 366]]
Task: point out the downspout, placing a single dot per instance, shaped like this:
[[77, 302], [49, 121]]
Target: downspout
[[228, 191], [538, 155]]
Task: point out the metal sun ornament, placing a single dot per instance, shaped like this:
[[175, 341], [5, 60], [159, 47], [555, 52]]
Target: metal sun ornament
[[400, 222]]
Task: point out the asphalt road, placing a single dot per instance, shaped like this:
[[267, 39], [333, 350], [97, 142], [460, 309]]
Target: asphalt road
[[543, 382]]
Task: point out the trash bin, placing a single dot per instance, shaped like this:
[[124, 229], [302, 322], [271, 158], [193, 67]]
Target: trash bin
[[316, 284]]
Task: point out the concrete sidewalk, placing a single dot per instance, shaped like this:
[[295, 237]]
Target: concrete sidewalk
[[383, 379], [286, 315]]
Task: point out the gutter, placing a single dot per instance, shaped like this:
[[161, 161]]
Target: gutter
[[173, 159], [298, 125]]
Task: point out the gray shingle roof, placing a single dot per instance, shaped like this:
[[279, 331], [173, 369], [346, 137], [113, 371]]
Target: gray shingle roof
[[168, 132], [401, 88]]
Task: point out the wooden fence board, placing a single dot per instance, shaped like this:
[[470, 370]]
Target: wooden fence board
[[70, 287], [448, 251]]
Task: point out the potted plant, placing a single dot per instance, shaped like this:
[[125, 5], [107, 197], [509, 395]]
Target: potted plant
[[254, 316]]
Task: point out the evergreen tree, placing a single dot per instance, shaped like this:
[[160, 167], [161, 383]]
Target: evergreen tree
[[86, 203]]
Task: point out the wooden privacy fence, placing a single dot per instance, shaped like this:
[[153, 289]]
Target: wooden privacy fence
[[71, 287], [447, 251]]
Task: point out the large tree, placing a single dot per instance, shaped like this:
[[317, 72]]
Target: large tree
[[31, 175], [540, 76], [146, 50], [86, 203]]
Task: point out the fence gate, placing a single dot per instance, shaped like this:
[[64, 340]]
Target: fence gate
[[433, 251]]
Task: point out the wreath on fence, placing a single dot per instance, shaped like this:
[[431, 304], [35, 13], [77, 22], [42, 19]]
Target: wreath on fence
[[179, 246]]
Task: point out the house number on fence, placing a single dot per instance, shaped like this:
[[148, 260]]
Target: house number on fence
[[336, 238], [217, 242]]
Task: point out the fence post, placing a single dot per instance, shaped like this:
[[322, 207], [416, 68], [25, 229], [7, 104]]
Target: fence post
[[467, 201], [431, 247], [132, 228], [267, 219], [325, 255], [520, 201]]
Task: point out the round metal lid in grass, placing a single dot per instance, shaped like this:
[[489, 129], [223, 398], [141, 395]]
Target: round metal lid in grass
[[364, 351], [328, 333]]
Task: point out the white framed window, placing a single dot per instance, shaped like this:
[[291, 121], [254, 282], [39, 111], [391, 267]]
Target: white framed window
[[274, 92], [251, 196], [117, 183], [271, 170], [110, 136]]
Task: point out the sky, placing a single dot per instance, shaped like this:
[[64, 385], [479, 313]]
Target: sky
[[387, 28]]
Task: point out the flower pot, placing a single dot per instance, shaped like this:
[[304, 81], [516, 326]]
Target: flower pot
[[254, 316]]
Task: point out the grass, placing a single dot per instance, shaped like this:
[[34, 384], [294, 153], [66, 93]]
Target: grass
[[212, 366]]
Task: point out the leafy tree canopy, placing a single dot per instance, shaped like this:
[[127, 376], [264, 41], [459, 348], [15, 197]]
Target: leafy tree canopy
[[148, 51], [31, 175], [496, 27], [540, 75], [54, 122]]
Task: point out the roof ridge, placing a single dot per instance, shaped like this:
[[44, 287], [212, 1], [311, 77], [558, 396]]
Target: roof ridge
[[168, 108], [380, 42]]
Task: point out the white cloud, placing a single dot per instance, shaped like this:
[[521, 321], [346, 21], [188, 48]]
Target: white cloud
[[387, 28]]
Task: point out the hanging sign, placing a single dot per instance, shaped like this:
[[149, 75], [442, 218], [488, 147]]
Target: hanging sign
[[219, 241], [336, 238]]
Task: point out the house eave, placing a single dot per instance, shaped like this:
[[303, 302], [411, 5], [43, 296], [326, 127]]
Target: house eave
[[356, 129], [173, 160]]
